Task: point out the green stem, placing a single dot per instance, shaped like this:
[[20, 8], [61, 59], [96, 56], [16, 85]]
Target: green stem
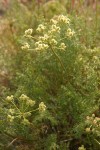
[[16, 107], [34, 110], [58, 58], [97, 141]]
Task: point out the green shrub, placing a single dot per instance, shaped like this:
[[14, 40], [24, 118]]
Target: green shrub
[[55, 68]]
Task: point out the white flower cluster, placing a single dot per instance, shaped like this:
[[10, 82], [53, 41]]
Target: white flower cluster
[[41, 46], [51, 34], [30, 102], [27, 100], [62, 46], [44, 38], [10, 98], [17, 111], [82, 148], [42, 107], [23, 97], [28, 33], [11, 111], [54, 28], [10, 118], [26, 121], [70, 33], [23, 110], [64, 19], [41, 28], [53, 42], [93, 124], [53, 21], [25, 46]]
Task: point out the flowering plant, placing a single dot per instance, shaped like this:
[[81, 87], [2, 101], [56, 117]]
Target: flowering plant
[[58, 69]]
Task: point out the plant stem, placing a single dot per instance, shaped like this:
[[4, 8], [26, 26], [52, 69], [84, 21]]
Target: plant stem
[[16, 107], [58, 58]]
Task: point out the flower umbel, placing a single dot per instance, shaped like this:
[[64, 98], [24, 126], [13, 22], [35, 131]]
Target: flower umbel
[[10, 98], [25, 46], [42, 107], [10, 118], [70, 33], [40, 28], [28, 33], [62, 46], [64, 19], [82, 148]]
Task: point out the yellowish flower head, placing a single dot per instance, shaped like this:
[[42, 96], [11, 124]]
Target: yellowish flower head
[[41, 28], [23, 97], [82, 148], [64, 19], [53, 21], [25, 121], [10, 118], [70, 33], [62, 46], [42, 107], [53, 42], [10, 98], [25, 46], [88, 130], [30, 102], [28, 32]]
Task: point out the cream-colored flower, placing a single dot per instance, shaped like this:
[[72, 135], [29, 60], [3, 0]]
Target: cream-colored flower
[[41, 47], [55, 28], [25, 121], [10, 118], [94, 121], [23, 97], [25, 46], [87, 117], [53, 42], [64, 19], [82, 148], [30, 102], [12, 111], [28, 32], [97, 118], [10, 98], [53, 21], [62, 46], [38, 43], [70, 33], [42, 107], [44, 38], [41, 28], [88, 130]]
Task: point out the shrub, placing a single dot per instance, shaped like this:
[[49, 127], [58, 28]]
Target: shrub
[[55, 68]]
